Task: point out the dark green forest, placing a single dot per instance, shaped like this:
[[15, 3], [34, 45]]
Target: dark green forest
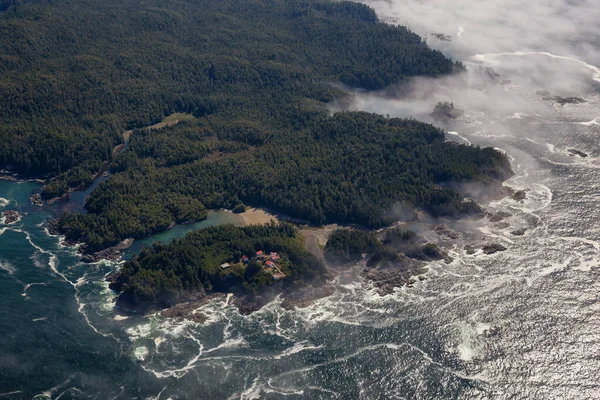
[[348, 168], [349, 245], [163, 275], [75, 73], [255, 78]]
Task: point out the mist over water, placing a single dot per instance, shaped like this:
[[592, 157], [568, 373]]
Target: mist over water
[[523, 323]]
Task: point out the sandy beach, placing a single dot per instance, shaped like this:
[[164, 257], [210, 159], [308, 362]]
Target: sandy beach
[[256, 216]]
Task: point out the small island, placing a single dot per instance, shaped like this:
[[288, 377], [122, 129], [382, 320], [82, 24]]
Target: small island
[[446, 111], [10, 217], [575, 152], [255, 263]]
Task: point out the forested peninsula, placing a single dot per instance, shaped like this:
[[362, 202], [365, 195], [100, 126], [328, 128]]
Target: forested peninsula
[[243, 90]]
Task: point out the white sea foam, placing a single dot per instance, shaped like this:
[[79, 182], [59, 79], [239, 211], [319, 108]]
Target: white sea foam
[[140, 353], [157, 397], [139, 331], [594, 122], [6, 394], [24, 294], [297, 348], [519, 115], [586, 265], [469, 346], [460, 136], [491, 58], [48, 393], [238, 342], [229, 296], [179, 372], [7, 267], [4, 202]]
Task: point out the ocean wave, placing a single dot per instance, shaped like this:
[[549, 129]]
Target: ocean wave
[[7, 267], [27, 286], [182, 371], [297, 348], [490, 58]]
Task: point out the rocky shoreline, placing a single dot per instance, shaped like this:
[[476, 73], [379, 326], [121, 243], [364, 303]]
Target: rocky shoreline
[[113, 253], [385, 276], [10, 217], [6, 175]]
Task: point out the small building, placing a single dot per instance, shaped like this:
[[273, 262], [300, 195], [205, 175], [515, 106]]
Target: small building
[[245, 259], [225, 266], [270, 264], [259, 253], [278, 276], [274, 256]]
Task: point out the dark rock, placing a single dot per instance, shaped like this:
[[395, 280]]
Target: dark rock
[[432, 251], [392, 275], [11, 216], [519, 195], [502, 225], [188, 309], [470, 249], [63, 197], [10, 178], [304, 296], [445, 111], [562, 100], [52, 226], [575, 152], [111, 254], [519, 232], [499, 216], [544, 93], [248, 304], [443, 230], [36, 200], [492, 248], [495, 218]]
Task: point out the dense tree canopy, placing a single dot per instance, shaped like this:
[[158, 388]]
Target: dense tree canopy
[[165, 274], [349, 168], [75, 74], [253, 78]]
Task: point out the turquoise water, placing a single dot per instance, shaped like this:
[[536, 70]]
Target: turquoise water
[[214, 218], [59, 333]]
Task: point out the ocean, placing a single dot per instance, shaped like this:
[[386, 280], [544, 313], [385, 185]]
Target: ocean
[[519, 324]]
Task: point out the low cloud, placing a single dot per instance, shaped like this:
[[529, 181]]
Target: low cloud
[[516, 53]]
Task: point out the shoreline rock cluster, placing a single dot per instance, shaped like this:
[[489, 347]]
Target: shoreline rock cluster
[[113, 253], [385, 276], [11, 216]]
